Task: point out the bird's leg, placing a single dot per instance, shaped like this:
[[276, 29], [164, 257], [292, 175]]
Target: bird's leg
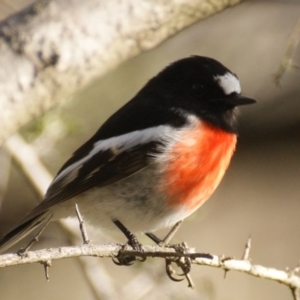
[[154, 238], [172, 232], [132, 241], [165, 241]]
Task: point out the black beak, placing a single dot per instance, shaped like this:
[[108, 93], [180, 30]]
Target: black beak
[[238, 100]]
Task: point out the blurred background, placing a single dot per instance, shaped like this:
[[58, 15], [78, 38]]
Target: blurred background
[[259, 196]]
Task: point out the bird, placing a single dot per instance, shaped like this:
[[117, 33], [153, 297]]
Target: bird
[[155, 161]]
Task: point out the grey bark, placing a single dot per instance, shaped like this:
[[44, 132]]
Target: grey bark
[[53, 48]]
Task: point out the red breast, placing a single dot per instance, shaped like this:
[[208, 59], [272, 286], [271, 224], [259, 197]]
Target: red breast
[[197, 165]]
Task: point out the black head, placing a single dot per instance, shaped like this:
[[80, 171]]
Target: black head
[[202, 86]]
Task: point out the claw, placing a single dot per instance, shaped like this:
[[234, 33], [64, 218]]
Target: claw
[[185, 265], [116, 262], [141, 259], [124, 261], [129, 260], [175, 279], [170, 271]]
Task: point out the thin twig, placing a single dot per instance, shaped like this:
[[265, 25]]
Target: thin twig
[[247, 249], [82, 227], [223, 258], [22, 251], [47, 265], [296, 293], [297, 268]]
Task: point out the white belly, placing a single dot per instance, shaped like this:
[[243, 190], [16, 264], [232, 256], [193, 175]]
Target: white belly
[[139, 207]]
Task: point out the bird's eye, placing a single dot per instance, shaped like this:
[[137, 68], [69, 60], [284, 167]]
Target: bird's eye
[[198, 89]]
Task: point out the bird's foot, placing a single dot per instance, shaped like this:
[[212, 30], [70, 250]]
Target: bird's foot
[[184, 263], [126, 260]]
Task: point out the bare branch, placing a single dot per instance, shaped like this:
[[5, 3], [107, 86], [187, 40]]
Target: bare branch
[[247, 267], [53, 48], [115, 250], [82, 226]]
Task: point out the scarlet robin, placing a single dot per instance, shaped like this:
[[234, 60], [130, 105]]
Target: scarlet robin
[[153, 162]]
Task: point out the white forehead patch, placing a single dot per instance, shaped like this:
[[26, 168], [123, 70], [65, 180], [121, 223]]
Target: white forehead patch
[[229, 83]]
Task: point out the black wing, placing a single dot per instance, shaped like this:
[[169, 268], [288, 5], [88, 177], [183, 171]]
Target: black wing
[[101, 170], [111, 165], [86, 169]]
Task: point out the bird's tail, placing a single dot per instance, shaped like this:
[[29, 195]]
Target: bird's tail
[[23, 229]]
